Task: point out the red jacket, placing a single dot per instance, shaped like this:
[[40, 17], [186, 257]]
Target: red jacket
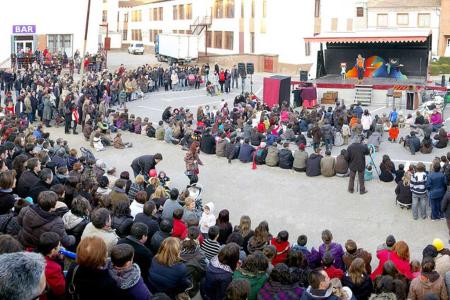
[[334, 272], [402, 265], [55, 279], [178, 228], [282, 251], [222, 76], [261, 127]]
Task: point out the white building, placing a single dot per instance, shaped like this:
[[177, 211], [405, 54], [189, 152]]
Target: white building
[[235, 27], [406, 15], [55, 25]]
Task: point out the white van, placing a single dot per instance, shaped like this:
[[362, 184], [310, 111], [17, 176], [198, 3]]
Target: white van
[[136, 48]]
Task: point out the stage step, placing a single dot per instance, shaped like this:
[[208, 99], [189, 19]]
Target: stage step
[[363, 94]]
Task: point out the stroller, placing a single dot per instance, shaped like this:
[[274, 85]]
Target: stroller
[[191, 80], [195, 192]]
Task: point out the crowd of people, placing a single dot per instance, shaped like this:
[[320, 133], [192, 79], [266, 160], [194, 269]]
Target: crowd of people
[[135, 237]]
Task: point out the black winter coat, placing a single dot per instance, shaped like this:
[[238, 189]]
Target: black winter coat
[[313, 165], [144, 163], [445, 205], [122, 225], [208, 144], [404, 194], [142, 255], [7, 201], [26, 181], [356, 156], [361, 291], [286, 159], [36, 189]]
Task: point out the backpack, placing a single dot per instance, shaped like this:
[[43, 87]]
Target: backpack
[[260, 158]]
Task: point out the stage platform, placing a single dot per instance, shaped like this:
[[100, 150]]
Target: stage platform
[[336, 81]]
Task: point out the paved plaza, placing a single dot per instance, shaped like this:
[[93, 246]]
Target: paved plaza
[[288, 200]]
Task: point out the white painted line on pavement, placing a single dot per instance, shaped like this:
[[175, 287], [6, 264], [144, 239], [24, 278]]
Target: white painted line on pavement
[[410, 161], [150, 108], [377, 109], [173, 99]]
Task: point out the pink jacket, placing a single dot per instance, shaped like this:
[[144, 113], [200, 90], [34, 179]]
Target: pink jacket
[[402, 265], [436, 118]]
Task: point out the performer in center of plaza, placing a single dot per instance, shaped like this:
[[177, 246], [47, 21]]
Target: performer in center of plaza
[[360, 67]]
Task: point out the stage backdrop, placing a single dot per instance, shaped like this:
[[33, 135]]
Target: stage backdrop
[[414, 60]]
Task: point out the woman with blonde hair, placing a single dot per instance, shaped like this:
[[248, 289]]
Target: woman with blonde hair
[[189, 211], [153, 183], [403, 192], [168, 274], [137, 186], [357, 280], [159, 196], [245, 229]]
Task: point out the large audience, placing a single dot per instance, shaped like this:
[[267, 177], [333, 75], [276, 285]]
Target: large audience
[[73, 228]]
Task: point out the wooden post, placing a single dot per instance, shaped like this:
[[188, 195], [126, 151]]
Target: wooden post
[[86, 29]]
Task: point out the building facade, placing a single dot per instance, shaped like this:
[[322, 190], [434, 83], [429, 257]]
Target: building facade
[[444, 29], [406, 15], [234, 27], [62, 29]]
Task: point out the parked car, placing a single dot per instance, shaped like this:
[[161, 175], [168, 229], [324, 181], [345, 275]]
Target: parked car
[[136, 48]]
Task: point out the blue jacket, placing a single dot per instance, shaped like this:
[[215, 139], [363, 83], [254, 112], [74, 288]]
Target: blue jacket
[[216, 282], [170, 280], [436, 185], [246, 153]]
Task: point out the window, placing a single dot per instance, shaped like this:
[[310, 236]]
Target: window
[[350, 24], [230, 9], [218, 39], [229, 40], [136, 35], [160, 15], [448, 42], [402, 19], [181, 12], [382, 20], [360, 11], [218, 9], [334, 24], [307, 49], [105, 16], [150, 35], [175, 12], [242, 8], [125, 17], [317, 8], [264, 8], [124, 34], [136, 16], [209, 39], [60, 43], [252, 42], [423, 20], [189, 11], [253, 8]]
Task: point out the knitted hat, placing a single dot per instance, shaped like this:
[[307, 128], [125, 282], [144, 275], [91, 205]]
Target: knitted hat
[[438, 244], [301, 146]]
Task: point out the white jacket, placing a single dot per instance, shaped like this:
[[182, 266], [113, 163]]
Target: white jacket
[[207, 220], [366, 121]]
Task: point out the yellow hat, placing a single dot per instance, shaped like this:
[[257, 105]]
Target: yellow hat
[[438, 244]]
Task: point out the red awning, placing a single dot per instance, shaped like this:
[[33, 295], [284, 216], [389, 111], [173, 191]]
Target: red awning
[[379, 39]]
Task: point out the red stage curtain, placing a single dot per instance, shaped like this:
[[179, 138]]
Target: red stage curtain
[[271, 91]]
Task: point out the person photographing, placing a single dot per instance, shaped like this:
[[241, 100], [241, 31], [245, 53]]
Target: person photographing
[[356, 157]]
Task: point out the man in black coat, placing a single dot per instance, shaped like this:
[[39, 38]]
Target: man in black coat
[[412, 142], [161, 235], [142, 255], [208, 143], [143, 164], [28, 178], [286, 159], [246, 152], [44, 184], [148, 218], [356, 157]]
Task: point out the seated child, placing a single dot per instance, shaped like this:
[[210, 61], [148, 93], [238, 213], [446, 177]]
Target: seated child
[[399, 173], [119, 144], [393, 133], [163, 179], [49, 245], [368, 173], [98, 145]]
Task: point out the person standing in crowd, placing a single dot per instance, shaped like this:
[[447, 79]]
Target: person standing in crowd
[[192, 161], [418, 186], [356, 157], [436, 186]]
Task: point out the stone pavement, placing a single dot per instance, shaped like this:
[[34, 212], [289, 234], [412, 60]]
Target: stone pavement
[[286, 199]]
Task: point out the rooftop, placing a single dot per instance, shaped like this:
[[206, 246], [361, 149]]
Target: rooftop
[[133, 3], [402, 3], [372, 36]]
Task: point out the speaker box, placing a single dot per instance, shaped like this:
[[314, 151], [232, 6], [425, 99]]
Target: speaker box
[[303, 76], [250, 68], [241, 68], [277, 89]]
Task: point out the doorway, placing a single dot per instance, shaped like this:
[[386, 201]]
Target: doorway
[[23, 45]]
